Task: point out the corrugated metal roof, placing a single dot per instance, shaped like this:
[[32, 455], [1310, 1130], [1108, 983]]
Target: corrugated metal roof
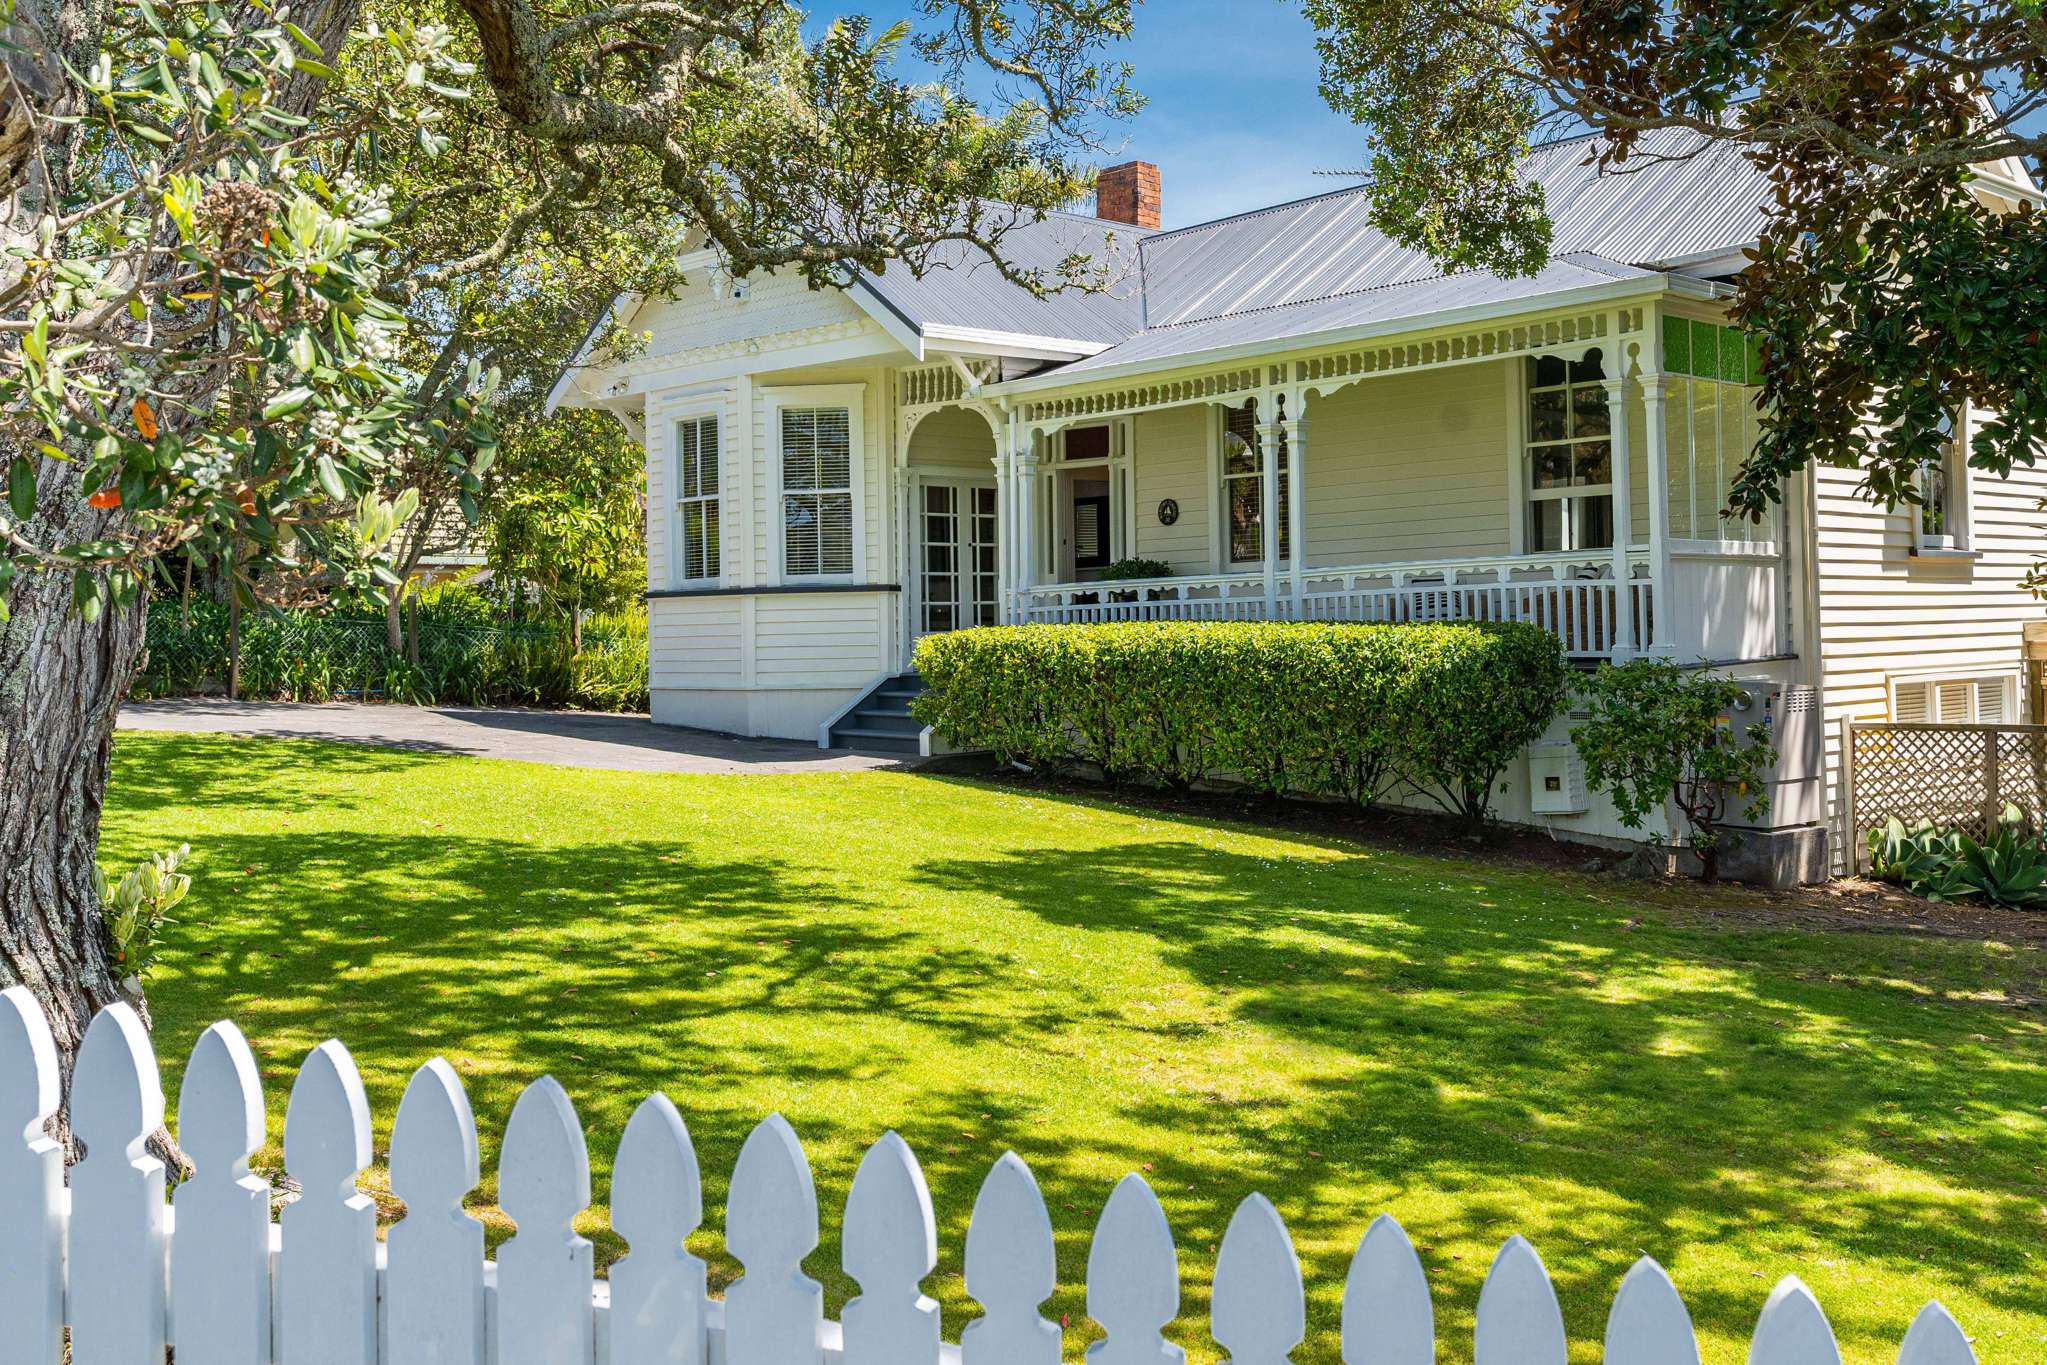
[[1676, 198], [1357, 309], [963, 289]]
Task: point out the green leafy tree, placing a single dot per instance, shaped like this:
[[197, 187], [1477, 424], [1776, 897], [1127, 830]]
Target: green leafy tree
[[1658, 740], [257, 272], [1882, 292], [571, 521]]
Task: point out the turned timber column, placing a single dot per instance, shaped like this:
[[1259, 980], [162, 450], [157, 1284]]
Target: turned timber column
[[1268, 511], [1026, 461], [1623, 518], [1297, 513], [1662, 636], [1005, 542]]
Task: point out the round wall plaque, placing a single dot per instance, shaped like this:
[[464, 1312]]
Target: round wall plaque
[[1169, 511]]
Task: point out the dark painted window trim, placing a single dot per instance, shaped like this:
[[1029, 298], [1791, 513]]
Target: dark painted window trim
[[776, 590]]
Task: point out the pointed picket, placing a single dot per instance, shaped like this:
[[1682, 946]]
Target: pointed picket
[[1387, 1316], [1259, 1311], [220, 1259], [433, 1294], [1935, 1338], [116, 1299], [1648, 1324], [658, 1288], [327, 1270], [890, 1243], [545, 1269], [773, 1311], [1792, 1330], [31, 1183], [1012, 1268], [1519, 1322], [1133, 1279]]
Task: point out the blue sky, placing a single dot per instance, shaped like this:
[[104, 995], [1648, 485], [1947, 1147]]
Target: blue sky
[[1234, 121]]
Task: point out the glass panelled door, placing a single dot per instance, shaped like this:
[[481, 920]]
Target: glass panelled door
[[955, 555]]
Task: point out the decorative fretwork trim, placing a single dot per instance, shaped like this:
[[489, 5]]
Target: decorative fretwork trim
[[1327, 371]]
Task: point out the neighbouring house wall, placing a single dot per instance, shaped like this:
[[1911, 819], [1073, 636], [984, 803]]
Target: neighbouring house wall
[[1884, 612], [1170, 459], [1409, 466]]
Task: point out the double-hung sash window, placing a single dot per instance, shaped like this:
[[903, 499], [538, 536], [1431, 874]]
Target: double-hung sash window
[[817, 492], [1939, 521], [1569, 456], [696, 498], [1243, 464]]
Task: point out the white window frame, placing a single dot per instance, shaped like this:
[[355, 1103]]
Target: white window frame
[[1933, 682], [853, 398], [1569, 495], [1220, 440], [1956, 539], [694, 414]]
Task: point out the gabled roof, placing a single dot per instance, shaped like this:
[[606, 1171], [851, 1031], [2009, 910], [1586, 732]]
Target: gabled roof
[[1676, 200], [1357, 314], [965, 293]]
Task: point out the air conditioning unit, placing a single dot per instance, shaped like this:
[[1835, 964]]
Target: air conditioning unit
[[1556, 779], [1796, 782]]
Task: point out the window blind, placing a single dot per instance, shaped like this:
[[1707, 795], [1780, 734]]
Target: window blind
[[696, 501], [817, 492]]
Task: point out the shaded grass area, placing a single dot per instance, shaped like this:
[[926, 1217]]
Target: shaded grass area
[[1476, 1049]]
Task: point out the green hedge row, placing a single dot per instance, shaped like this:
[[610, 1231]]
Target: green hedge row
[[1285, 707], [307, 656]]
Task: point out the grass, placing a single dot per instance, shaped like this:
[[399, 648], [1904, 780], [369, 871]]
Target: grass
[[1476, 1049]]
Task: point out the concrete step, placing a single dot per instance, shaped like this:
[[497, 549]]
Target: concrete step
[[889, 721], [880, 741]]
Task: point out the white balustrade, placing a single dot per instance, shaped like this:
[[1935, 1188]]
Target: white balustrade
[[1570, 594], [137, 1278]]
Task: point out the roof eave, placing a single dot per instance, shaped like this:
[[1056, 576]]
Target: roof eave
[[1642, 286]]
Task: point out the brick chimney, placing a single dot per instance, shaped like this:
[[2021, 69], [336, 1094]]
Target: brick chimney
[[1129, 193]]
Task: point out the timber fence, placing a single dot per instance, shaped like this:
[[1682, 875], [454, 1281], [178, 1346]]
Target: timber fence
[[212, 1275], [1959, 776]]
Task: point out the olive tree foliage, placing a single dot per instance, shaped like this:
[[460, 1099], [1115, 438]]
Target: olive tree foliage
[[1882, 292], [264, 271]]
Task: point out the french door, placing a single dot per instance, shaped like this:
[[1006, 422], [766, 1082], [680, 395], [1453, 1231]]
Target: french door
[[956, 564]]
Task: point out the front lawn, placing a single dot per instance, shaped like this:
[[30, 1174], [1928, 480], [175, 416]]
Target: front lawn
[[1476, 1049]]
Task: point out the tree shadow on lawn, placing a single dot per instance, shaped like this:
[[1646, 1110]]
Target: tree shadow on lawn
[[1604, 1087]]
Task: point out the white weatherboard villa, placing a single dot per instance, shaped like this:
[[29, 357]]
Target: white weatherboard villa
[[1294, 418]]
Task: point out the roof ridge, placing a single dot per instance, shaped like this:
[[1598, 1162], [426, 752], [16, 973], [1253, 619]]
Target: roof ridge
[[1621, 271], [1253, 213]]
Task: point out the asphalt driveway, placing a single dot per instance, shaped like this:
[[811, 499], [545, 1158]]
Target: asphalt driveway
[[568, 739]]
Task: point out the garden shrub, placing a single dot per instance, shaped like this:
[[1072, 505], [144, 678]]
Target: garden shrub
[[2009, 869], [1284, 707], [1656, 733], [466, 657]]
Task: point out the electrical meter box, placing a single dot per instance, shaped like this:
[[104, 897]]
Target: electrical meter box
[[1556, 780]]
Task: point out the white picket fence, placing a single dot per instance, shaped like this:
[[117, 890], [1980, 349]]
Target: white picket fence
[[210, 1274]]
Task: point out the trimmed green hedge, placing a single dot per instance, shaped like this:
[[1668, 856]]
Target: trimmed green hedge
[[1285, 707]]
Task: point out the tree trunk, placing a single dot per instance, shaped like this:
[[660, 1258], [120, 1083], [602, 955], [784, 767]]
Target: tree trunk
[[62, 680]]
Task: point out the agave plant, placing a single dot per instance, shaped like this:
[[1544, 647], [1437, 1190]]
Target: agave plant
[[2009, 868]]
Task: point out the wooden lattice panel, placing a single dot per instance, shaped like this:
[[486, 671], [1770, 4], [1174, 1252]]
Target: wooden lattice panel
[[1957, 776]]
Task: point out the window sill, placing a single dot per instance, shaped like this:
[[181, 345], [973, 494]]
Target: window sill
[[1945, 555], [773, 590]]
